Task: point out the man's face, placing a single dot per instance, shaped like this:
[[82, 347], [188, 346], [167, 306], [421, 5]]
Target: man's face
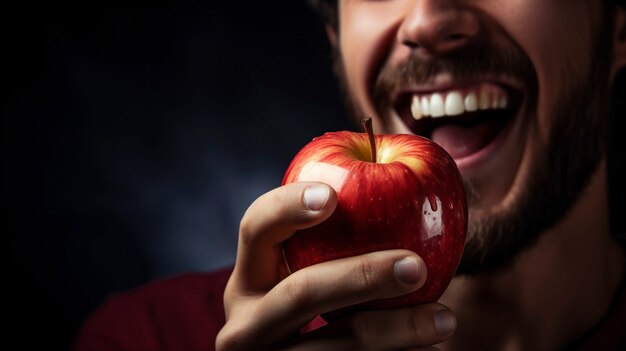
[[503, 85]]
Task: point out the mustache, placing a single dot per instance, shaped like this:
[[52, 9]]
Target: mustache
[[467, 64]]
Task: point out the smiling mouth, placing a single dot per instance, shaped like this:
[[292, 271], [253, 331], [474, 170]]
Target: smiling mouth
[[463, 121]]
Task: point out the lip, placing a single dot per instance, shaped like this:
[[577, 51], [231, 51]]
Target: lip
[[445, 83]]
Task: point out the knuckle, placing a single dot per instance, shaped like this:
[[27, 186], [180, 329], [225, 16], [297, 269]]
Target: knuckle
[[366, 273], [230, 298], [246, 232], [226, 340], [253, 218], [415, 327], [237, 334], [296, 292]]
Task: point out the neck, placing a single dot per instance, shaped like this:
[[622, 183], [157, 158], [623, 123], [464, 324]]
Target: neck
[[555, 292]]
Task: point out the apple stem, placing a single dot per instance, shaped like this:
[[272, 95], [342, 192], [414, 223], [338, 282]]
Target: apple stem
[[367, 125]]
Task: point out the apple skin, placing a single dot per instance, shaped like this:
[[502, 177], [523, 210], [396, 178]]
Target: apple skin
[[411, 198]]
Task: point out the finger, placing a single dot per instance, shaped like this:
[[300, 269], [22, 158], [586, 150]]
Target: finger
[[331, 285], [404, 328], [269, 221]]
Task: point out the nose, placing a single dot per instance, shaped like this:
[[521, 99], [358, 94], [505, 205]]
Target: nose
[[438, 26]]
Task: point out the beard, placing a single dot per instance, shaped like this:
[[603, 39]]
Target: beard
[[559, 169]]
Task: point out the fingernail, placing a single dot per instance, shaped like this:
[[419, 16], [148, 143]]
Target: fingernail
[[445, 323], [406, 270], [315, 197]]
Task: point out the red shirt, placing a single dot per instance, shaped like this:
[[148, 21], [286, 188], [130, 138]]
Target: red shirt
[[180, 313], [187, 312]]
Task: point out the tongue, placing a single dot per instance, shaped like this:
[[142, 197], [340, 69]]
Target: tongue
[[461, 141]]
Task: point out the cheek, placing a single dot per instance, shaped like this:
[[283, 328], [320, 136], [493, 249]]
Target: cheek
[[556, 37], [366, 34]]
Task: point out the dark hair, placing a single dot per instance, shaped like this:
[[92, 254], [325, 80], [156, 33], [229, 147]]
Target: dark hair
[[327, 9]]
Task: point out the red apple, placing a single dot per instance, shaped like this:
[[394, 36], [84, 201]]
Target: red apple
[[410, 197]]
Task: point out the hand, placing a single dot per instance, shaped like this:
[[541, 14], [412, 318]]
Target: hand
[[265, 311]]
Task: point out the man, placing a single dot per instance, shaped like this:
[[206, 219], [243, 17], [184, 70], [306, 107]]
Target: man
[[517, 92]]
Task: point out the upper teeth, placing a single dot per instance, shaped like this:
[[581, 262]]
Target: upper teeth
[[456, 103]]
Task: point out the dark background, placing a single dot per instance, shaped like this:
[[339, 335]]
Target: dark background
[[135, 136]]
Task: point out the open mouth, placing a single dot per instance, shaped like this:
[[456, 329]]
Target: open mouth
[[464, 121]]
